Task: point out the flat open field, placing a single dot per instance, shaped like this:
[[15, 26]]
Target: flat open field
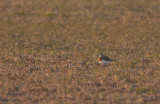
[[49, 51]]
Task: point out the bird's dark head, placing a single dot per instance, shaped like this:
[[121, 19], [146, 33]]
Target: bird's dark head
[[100, 55]]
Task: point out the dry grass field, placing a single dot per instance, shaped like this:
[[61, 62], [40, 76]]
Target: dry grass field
[[49, 50]]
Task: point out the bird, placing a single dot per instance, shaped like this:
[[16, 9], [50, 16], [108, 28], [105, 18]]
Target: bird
[[104, 59]]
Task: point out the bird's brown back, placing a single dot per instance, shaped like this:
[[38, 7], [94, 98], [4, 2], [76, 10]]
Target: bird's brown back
[[106, 58]]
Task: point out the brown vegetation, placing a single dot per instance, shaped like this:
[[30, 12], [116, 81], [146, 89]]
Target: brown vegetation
[[49, 50]]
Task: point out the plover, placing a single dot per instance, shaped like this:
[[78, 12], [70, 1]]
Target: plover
[[104, 59]]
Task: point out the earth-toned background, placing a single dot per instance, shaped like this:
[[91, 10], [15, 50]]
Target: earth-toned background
[[49, 50]]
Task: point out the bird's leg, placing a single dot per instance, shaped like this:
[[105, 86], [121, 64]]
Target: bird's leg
[[102, 65]]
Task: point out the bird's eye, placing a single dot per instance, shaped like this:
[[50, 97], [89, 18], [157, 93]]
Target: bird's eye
[[100, 54]]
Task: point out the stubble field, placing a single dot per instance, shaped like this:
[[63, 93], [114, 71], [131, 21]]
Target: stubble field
[[49, 50]]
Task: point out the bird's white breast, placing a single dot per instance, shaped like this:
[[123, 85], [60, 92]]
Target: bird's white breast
[[105, 62]]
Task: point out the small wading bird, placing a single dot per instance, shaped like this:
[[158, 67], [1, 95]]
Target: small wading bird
[[104, 59]]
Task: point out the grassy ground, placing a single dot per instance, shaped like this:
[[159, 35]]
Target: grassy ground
[[49, 50]]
